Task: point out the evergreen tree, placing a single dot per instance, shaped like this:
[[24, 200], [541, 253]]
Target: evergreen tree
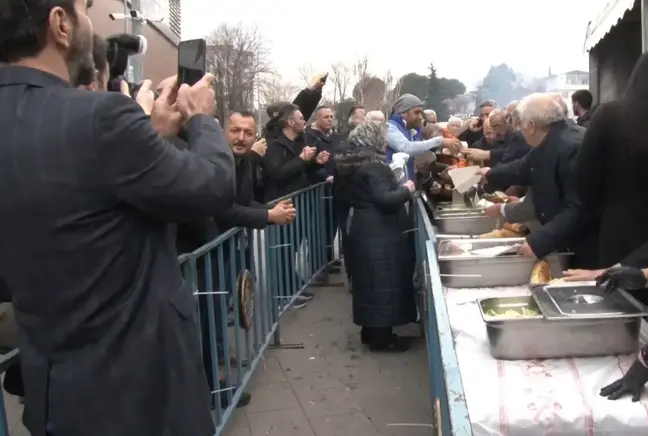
[[433, 98]]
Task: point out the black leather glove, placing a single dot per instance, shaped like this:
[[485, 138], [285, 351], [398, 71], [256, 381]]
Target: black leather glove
[[622, 277], [632, 383]]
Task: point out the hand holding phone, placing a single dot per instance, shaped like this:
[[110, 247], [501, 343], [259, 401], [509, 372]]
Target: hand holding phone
[[197, 99]]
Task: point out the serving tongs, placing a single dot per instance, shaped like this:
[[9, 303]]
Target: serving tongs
[[471, 197]]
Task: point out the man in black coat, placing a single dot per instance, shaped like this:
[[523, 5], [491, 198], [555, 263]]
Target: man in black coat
[[108, 329], [321, 136], [548, 169], [509, 145], [240, 132], [289, 164]]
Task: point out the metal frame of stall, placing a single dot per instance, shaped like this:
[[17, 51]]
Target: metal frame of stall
[[611, 15]]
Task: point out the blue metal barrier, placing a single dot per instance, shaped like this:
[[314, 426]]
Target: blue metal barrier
[[270, 268], [276, 265], [446, 388]]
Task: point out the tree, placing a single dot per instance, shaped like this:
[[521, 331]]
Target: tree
[[392, 92], [450, 88], [341, 77], [276, 90], [433, 97], [238, 58], [414, 84], [361, 73], [370, 92], [307, 72], [502, 85]]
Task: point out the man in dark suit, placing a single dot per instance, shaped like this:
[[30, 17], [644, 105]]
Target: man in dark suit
[[108, 328], [548, 171], [509, 145]]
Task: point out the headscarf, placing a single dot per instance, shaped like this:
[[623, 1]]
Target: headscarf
[[366, 143]]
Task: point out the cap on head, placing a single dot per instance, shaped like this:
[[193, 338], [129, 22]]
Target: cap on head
[[405, 103]]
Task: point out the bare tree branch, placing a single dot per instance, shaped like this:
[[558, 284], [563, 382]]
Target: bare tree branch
[[361, 73], [392, 92], [239, 59], [276, 90], [341, 79], [307, 72]]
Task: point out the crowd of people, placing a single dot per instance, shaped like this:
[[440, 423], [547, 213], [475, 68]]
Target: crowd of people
[[103, 191]]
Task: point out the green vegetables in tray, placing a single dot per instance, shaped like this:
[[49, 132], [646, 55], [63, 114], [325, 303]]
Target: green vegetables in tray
[[513, 312]]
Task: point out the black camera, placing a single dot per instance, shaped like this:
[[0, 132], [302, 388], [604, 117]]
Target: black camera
[[120, 47]]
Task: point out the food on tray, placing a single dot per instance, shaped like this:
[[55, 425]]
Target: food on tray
[[512, 312], [496, 197], [500, 233], [518, 229], [541, 273], [557, 281]]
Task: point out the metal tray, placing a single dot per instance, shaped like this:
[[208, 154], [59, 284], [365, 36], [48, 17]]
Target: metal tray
[[539, 338], [585, 301], [465, 212], [447, 207], [472, 271], [465, 224]]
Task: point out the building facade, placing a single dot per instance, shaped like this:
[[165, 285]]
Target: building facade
[[163, 37], [566, 84]]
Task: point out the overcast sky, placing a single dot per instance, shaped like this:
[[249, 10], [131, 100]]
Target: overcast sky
[[462, 37]]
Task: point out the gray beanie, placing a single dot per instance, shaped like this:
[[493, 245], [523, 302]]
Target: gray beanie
[[406, 102]]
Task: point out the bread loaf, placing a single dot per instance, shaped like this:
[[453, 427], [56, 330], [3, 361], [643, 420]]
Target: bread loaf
[[515, 228], [494, 234], [541, 273]]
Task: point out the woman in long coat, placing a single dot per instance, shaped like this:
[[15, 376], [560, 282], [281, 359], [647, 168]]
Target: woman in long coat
[[378, 231], [612, 175]]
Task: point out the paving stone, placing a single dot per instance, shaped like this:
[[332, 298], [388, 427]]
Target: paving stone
[[291, 422], [356, 424]]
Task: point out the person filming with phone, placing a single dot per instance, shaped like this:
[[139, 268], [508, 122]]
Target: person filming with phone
[[108, 340]]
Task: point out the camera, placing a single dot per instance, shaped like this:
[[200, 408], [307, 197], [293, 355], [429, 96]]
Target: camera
[[120, 47]]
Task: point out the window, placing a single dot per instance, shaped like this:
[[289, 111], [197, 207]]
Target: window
[[169, 10]]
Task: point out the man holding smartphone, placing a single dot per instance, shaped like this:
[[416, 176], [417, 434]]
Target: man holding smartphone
[[108, 324]]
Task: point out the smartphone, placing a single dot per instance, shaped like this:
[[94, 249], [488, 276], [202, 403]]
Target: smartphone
[[192, 61]]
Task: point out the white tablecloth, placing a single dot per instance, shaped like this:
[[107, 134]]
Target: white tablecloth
[[534, 398]]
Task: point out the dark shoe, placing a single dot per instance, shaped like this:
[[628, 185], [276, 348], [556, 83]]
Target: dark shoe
[[321, 279], [395, 345], [364, 336]]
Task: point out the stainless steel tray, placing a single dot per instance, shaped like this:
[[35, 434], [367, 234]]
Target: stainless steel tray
[[448, 207], [466, 212], [465, 224], [585, 301], [539, 338], [473, 271]]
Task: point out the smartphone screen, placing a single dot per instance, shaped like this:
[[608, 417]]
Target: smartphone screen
[[192, 61]]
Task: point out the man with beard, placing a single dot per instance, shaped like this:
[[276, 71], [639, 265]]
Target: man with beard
[[93, 73], [108, 329], [240, 132]]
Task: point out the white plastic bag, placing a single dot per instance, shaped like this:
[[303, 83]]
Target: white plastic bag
[[302, 261]]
